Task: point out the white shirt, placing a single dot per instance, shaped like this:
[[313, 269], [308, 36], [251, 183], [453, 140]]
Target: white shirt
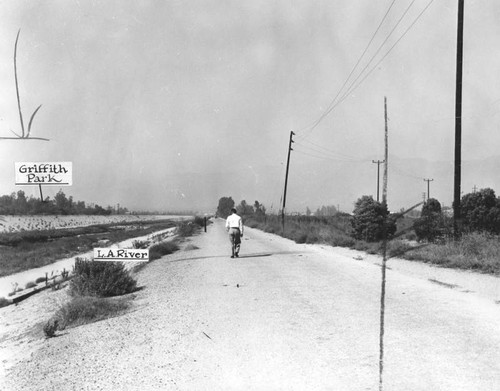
[[234, 221]]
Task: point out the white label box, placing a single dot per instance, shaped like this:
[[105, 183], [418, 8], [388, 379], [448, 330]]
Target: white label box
[[44, 173], [121, 254]]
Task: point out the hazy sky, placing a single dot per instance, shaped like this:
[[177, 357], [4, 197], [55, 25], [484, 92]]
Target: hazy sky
[[162, 104]]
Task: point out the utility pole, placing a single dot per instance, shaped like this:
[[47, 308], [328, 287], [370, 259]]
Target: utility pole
[[384, 258], [474, 189], [378, 162], [41, 195], [458, 120], [428, 187], [286, 182], [386, 157]]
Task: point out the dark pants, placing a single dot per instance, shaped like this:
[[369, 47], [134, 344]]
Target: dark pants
[[235, 239]]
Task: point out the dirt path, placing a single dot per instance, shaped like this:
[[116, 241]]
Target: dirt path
[[281, 317]]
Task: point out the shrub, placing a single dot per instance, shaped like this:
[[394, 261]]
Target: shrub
[[200, 221], [30, 284], [140, 244], [430, 225], [40, 279], [398, 248], [82, 310], [185, 229], [480, 211], [164, 248], [50, 328], [101, 279], [369, 219], [4, 302]]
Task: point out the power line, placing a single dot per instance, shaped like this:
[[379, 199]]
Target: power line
[[353, 86], [335, 159], [330, 155], [385, 55], [380, 47], [316, 123], [331, 150], [401, 172]]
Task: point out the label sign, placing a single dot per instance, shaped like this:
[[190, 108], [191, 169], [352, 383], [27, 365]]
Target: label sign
[[42, 173], [120, 254]]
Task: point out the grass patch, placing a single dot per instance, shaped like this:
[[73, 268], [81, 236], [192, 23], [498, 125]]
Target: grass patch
[[164, 248], [86, 309], [186, 229], [27, 253], [476, 251], [100, 279], [333, 230]]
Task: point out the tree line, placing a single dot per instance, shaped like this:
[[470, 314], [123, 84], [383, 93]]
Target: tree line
[[243, 208], [19, 204], [371, 220]]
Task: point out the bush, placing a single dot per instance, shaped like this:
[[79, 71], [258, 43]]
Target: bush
[[398, 248], [200, 221], [83, 310], [480, 211], [101, 279], [164, 248], [50, 328], [40, 279], [186, 229], [369, 219], [4, 302], [142, 244], [30, 284], [430, 225]]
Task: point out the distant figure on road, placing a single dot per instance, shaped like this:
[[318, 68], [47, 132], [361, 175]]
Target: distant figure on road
[[234, 225]]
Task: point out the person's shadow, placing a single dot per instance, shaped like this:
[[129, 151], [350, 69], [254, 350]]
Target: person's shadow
[[251, 255]]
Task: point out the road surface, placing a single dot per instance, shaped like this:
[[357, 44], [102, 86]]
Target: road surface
[[283, 316]]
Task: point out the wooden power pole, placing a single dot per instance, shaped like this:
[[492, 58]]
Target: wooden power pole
[[384, 258], [378, 163], [458, 121], [286, 183], [428, 187]]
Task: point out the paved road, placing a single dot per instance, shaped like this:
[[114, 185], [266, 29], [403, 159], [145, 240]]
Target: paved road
[[283, 316]]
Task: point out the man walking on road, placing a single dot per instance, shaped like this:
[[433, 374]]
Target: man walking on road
[[234, 226]]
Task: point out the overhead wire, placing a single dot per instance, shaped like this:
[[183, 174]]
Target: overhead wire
[[332, 156], [380, 47], [353, 86], [316, 123], [386, 54], [330, 150], [401, 172], [327, 157]]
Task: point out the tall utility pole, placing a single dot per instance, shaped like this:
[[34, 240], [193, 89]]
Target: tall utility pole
[[386, 157], [378, 162], [384, 258], [458, 120], [286, 182], [428, 187]]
